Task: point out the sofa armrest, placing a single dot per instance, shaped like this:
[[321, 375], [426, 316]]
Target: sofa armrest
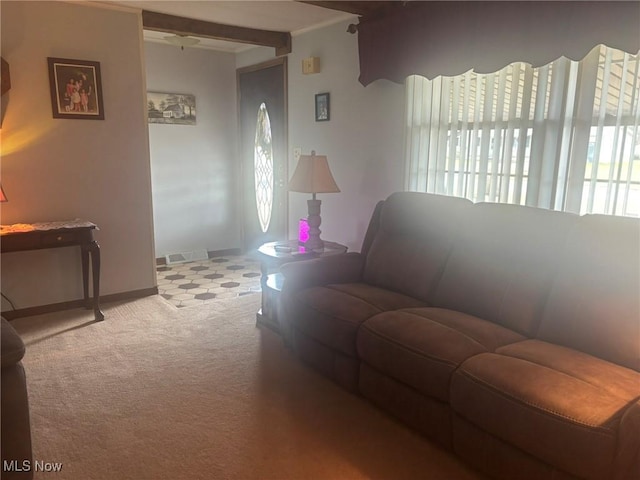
[[628, 455], [11, 345], [343, 268], [15, 424]]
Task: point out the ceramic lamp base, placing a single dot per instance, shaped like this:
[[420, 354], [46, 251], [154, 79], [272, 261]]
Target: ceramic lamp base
[[314, 221]]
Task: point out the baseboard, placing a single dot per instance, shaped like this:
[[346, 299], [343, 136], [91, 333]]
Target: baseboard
[[57, 307], [211, 254]]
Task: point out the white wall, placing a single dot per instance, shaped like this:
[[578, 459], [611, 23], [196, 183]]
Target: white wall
[[60, 169], [363, 139], [194, 167]]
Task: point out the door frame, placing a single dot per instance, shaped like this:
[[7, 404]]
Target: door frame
[[241, 173]]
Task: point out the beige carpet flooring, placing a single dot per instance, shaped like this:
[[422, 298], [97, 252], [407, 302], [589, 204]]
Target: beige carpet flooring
[[157, 392]]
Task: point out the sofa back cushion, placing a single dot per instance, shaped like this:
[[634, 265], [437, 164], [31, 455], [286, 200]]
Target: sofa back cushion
[[594, 303], [412, 242], [503, 262]]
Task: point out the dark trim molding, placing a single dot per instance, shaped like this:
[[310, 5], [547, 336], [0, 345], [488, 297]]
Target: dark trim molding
[[57, 307], [360, 7], [211, 254], [161, 22]]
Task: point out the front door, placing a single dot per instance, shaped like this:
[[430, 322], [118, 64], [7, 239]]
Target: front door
[[263, 147]]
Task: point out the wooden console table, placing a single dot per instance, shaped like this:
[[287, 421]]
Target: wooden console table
[[37, 236]]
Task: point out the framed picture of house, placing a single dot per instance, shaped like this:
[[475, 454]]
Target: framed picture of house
[[171, 108], [322, 107], [76, 89]]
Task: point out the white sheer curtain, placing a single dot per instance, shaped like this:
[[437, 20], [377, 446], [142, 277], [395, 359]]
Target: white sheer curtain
[[565, 136]]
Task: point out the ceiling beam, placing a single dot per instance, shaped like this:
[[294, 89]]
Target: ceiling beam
[[162, 22]]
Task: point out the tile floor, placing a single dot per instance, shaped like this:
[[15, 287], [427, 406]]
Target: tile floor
[[195, 283]]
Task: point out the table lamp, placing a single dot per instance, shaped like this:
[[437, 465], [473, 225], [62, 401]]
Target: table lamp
[[312, 175]]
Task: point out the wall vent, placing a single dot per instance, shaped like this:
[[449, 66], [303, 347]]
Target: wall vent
[[194, 256]]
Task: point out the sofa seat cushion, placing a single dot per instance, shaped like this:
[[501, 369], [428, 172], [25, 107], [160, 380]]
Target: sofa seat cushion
[[422, 347], [561, 405], [332, 314]]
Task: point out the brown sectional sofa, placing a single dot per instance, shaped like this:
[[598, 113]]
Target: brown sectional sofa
[[508, 334]]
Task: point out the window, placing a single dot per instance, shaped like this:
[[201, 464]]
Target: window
[[565, 136], [263, 168]]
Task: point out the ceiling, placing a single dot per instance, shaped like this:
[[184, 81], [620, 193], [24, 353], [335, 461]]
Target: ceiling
[[283, 15]]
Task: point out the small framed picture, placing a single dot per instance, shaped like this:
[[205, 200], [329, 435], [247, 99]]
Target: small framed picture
[[171, 108], [76, 89], [322, 107]]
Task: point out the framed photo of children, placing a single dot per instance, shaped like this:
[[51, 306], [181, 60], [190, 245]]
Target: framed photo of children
[[322, 107], [76, 89]]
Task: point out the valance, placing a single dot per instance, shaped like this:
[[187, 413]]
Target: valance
[[450, 37]]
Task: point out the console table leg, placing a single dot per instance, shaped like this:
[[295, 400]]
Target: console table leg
[[94, 248], [84, 250]]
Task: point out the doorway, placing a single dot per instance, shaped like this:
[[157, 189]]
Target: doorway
[[262, 113]]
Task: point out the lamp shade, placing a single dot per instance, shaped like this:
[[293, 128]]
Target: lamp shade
[[312, 175], [3, 197]]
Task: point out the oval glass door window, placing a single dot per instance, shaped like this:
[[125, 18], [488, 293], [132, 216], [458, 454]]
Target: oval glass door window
[[263, 168]]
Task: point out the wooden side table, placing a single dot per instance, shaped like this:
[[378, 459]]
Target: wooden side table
[[272, 255]]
